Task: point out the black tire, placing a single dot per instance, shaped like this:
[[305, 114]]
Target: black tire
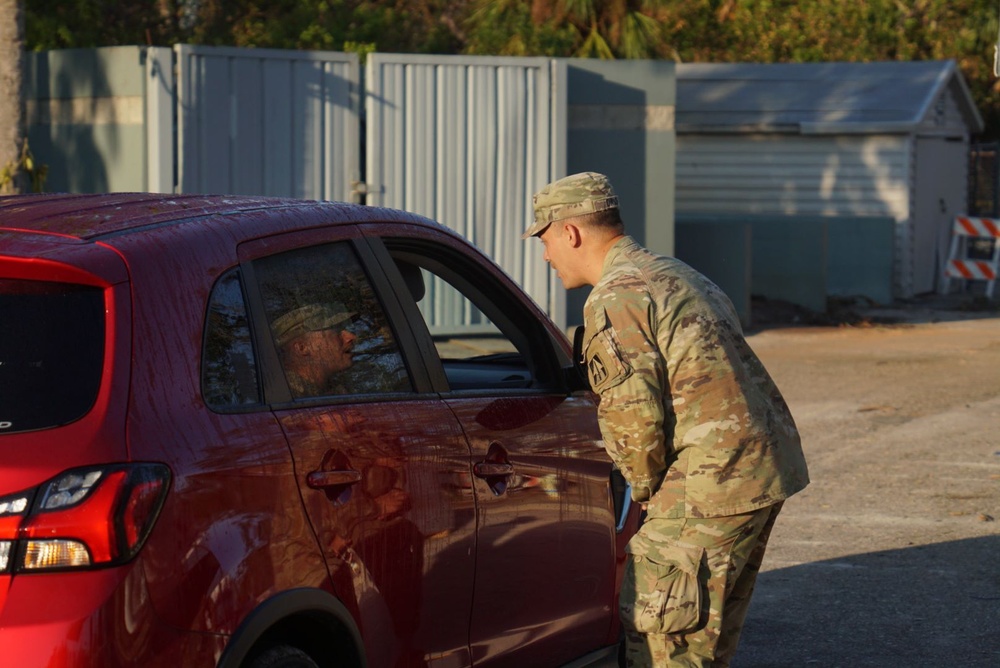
[[282, 656]]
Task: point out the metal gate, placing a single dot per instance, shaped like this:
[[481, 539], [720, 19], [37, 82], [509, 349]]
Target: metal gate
[[467, 141]]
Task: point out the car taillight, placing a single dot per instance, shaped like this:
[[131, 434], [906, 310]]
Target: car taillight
[[13, 509], [97, 516]]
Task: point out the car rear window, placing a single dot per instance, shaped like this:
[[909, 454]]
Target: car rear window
[[51, 353]]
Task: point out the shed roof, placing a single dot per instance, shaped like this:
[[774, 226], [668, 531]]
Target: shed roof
[[819, 98]]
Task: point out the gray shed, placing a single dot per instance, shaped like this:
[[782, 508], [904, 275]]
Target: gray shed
[[886, 141]]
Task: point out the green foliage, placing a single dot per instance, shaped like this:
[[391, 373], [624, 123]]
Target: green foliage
[[580, 28], [360, 48], [640, 35], [61, 24], [424, 26], [11, 173], [506, 28]]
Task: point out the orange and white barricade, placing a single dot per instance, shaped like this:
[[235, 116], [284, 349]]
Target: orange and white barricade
[[973, 267]]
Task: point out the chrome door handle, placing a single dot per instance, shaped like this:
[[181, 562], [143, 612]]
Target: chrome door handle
[[324, 479], [491, 469]]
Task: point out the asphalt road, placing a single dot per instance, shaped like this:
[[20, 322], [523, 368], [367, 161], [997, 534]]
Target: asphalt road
[[891, 557]]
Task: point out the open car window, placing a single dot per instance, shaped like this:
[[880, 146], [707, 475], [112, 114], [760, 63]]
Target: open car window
[[483, 336]]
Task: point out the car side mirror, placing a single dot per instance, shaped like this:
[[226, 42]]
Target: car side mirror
[[576, 374]]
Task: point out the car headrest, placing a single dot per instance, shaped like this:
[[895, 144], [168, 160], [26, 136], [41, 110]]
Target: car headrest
[[414, 279]]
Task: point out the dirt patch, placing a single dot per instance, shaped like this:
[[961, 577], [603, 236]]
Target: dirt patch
[[891, 557]]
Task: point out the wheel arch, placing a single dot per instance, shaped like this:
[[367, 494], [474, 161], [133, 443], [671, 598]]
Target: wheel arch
[[310, 619]]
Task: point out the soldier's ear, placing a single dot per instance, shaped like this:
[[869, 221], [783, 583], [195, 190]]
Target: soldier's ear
[[300, 347], [573, 235]]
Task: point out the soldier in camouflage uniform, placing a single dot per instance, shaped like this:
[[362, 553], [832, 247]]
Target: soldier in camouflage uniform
[[315, 344], [688, 414]]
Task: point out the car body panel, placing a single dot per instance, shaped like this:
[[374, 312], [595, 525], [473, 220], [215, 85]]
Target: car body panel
[[237, 462], [550, 515], [97, 619], [401, 541]]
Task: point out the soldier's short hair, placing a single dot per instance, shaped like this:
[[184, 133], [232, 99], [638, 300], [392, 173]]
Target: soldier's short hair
[[610, 219]]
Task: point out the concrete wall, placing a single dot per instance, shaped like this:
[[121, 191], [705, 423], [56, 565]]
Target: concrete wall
[[859, 258], [620, 121], [720, 249], [799, 259], [102, 119], [789, 261]]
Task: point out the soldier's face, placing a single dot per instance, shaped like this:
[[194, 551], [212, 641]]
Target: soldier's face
[[332, 348], [559, 253]]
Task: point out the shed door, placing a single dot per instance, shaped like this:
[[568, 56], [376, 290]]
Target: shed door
[[267, 122], [941, 193], [466, 142]]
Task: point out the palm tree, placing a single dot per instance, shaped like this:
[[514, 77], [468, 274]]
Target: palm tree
[[584, 28], [615, 28]]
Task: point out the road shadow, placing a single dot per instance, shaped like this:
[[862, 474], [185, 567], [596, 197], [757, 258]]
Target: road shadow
[[930, 605], [859, 312]]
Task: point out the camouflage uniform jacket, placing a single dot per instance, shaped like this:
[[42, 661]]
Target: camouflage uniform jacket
[[687, 411]]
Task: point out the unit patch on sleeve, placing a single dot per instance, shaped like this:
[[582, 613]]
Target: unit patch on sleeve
[[597, 370], [605, 366]]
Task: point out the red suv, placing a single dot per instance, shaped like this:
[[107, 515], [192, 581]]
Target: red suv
[[243, 431]]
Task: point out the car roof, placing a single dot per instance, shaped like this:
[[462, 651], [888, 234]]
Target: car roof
[[91, 217]]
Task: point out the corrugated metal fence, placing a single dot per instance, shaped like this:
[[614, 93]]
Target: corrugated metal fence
[[466, 141], [267, 122]]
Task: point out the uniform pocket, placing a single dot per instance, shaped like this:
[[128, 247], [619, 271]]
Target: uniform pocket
[[661, 592]]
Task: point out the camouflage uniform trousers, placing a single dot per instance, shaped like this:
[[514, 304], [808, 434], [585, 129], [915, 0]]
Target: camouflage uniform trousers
[[687, 587]]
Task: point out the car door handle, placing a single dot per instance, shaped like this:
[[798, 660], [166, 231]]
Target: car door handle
[[324, 479], [491, 469]]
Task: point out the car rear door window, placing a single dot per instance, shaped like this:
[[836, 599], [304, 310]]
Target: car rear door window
[[51, 352], [329, 329]]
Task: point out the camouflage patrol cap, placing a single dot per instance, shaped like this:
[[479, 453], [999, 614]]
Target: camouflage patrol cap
[[309, 318], [574, 195]]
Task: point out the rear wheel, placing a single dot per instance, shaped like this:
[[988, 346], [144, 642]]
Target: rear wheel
[[283, 656]]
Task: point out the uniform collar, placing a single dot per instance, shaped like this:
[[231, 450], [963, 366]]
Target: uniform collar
[[619, 247]]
